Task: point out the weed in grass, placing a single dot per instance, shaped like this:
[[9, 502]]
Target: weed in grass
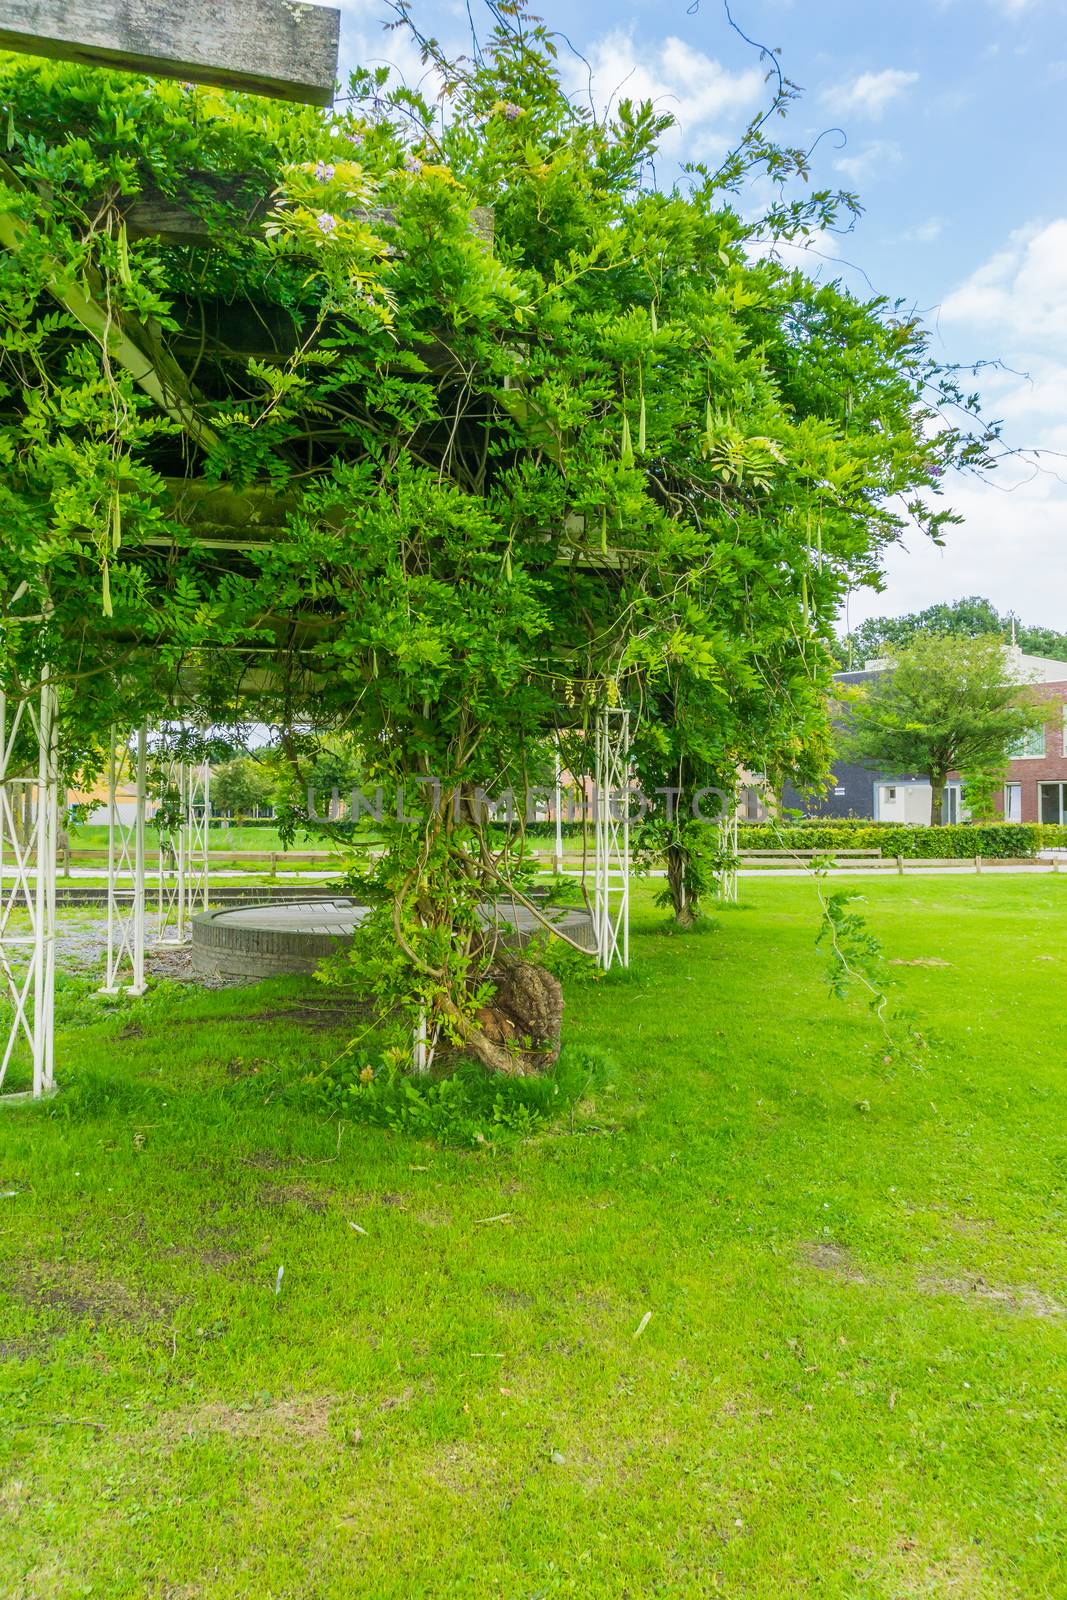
[[467, 1106]]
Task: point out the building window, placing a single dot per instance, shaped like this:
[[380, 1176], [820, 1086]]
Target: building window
[[1031, 747], [891, 794], [1050, 798], [1013, 802]]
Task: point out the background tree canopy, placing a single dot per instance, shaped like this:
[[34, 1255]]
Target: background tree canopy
[[969, 618], [951, 703], [619, 453]]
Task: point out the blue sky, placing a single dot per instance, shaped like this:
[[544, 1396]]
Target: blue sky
[[953, 119]]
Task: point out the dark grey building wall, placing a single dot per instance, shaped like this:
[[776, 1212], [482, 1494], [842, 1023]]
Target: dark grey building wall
[[852, 792], [850, 795]]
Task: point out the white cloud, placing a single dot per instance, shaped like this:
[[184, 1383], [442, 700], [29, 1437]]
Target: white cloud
[[925, 232], [1011, 545], [707, 101], [366, 43], [1020, 292], [870, 94], [875, 157], [1006, 8]]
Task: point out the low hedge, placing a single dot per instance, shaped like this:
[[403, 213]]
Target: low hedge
[[962, 840]]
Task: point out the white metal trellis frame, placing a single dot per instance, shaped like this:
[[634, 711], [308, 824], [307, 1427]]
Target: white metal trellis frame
[[28, 886], [557, 854], [184, 867], [727, 884], [611, 798], [126, 867], [198, 824]]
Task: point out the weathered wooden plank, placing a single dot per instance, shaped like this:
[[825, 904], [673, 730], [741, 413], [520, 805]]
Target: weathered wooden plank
[[222, 517], [281, 48], [180, 219]]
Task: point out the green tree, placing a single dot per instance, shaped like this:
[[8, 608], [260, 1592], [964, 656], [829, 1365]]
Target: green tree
[[968, 617], [982, 788], [240, 785], [949, 703]]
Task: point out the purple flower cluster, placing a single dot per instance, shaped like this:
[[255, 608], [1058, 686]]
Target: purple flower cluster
[[326, 221], [512, 111], [413, 165], [324, 172]]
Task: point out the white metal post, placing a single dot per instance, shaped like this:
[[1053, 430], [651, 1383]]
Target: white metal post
[[170, 902], [612, 836], [727, 876], [184, 853], [125, 859], [198, 825], [557, 859], [419, 1045], [28, 901]]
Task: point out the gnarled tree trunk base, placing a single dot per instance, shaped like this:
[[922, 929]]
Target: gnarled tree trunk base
[[518, 1032]]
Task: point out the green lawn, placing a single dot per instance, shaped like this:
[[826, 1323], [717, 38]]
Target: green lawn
[[93, 836], [850, 1383]]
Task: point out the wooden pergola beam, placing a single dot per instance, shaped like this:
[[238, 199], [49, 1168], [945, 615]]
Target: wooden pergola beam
[[179, 219], [222, 517], [126, 341], [281, 48]]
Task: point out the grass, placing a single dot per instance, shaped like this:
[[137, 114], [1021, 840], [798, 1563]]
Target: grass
[[849, 1382], [224, 839], [227, 837]]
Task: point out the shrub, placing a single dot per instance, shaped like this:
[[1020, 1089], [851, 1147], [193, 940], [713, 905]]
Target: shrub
[[963, 840]]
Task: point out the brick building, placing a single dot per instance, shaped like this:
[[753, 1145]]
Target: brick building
[[1036, 786]]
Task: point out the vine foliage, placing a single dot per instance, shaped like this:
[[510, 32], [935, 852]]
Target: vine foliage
[[287, 438]]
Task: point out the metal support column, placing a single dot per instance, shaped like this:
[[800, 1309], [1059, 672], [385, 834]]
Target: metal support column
[[612, 836], [184, 876], [170, 902], [125, 868], [198, 848], [727, 875], [29, 823], [557, 857]]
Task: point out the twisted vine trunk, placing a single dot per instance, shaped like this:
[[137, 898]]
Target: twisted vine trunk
[[683, 900], [517, 1032]]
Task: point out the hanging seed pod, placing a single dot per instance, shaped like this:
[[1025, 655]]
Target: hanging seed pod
[[604, 530], [105, 592], [626, 449], [507, 565], [116, 521], [655, 321], [125, 275], [804, 595], [642, 436]]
